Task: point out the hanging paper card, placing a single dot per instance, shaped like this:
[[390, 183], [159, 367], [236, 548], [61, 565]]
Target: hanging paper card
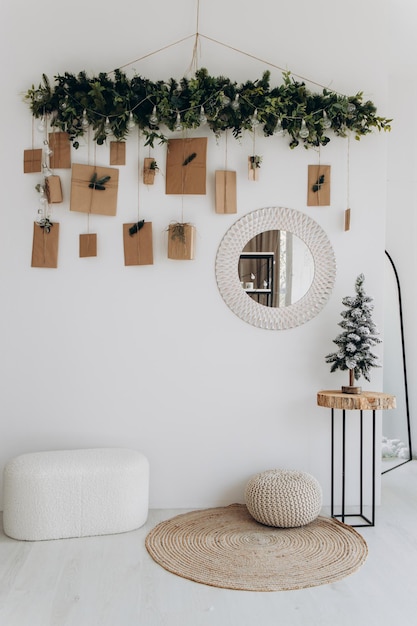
[[94, 189], [149, 170], [60, 144], [117, 153], [53, 189], [225, 191], [137, 243], [32, 161], [45, 245], [347, 219], [254, 163], [318, 193], [88, 245], [186, 166], [181, 241]]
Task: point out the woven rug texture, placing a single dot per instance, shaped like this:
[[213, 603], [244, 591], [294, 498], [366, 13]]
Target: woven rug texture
[[225, 547]]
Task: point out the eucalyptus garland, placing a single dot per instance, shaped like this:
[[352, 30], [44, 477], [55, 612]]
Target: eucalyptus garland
[[113, 104]]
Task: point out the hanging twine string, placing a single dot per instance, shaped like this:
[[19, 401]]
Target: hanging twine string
[[193, 67], [88, 146], [225, 174], [197, 36], [47, 214], [45, 132], [145, 56], [253, 160], [225, 150], [88, 161], [264, 62], [348, 174], [91, 192], [138, 196], [91, 196], [318, 177], [183, 176], [138, 175], [194, 61], [46, 139], [197, 17], [347, 211]]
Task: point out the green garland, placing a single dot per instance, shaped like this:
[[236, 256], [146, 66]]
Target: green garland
[[114, 105]]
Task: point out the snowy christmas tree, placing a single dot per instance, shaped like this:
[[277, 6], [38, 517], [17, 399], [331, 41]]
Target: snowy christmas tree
[[358, 336]]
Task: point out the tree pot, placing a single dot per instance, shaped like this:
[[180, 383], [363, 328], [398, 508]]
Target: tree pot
[[352, 390]]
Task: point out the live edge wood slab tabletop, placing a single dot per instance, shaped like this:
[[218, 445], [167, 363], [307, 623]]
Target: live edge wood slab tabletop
[[365, 401]]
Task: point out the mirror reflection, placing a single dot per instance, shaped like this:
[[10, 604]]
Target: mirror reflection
[[276, 268]]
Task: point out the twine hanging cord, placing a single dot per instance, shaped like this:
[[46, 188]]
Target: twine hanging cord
[[194, 65], [198, 35]]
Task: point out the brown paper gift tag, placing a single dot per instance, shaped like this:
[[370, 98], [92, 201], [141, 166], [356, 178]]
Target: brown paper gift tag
[[32, 161], [225, 182], [138, 247], [85, 199], [45, 246], [88, 245], [181, 242], [148, 172], [186, 166], [253, 171], [61, 146], [347, 219], [53, 189], [117, 153], [318, 193]]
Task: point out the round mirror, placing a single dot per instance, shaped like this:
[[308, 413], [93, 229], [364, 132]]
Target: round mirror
[[276, 268], [308, 295]]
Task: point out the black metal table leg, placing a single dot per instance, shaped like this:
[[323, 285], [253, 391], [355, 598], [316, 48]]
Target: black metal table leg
[[343, 515]]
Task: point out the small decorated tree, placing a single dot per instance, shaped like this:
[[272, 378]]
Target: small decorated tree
[[358, 336]]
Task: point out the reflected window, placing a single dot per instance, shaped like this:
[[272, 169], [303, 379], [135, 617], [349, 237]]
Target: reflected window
[[276, 268]]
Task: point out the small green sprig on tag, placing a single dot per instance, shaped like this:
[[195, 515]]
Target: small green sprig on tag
[[46, 224], [190, 158], [177, 231], [136, 227], [317, 186], [255, 161], [98, 183]]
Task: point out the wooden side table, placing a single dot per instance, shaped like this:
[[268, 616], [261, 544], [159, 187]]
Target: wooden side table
[[366, 401]]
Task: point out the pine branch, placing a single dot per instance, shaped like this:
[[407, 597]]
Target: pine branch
[[190, 158], [98, 183], [136, 227]]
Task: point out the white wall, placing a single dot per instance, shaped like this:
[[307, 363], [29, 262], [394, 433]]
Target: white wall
[[98, 354]]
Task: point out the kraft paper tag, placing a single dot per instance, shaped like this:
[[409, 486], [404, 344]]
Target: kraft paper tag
[[186, 166], [138, 247], [45, 246]]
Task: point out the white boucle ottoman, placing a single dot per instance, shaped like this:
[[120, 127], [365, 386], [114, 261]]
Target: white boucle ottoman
[[75, 493], [283, 498]]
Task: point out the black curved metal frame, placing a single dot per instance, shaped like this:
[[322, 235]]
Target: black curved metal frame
[[404, 366]]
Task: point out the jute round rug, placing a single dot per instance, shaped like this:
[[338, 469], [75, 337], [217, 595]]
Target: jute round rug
[[225, 547]]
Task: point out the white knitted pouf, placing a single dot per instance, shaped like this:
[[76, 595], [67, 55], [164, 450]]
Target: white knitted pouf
[[283, 498], [75, 493]]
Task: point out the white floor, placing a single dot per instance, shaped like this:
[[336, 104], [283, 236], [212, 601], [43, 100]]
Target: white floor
[[112, 581]]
